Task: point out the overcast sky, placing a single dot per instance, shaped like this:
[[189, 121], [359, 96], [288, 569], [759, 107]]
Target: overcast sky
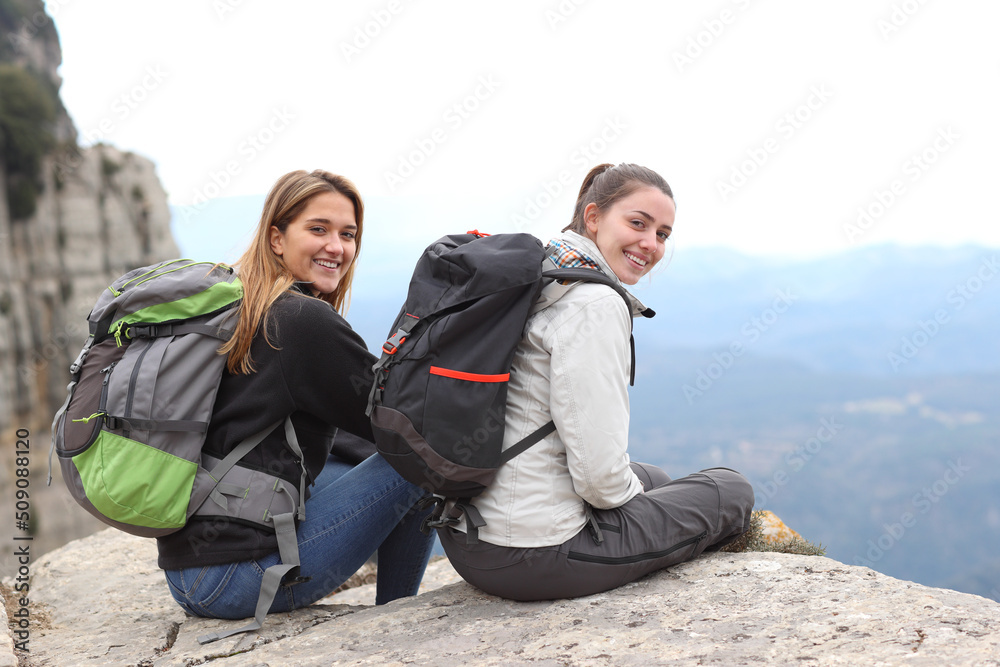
[[784, 127]]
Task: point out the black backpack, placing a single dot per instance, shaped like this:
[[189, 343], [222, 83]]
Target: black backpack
[[440, 391]]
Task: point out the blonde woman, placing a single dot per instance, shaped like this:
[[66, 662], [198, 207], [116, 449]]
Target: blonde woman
[[294, 354]]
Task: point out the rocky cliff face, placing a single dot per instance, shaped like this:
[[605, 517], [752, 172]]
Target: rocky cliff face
[[97, 212], [102, 601], [71, 221], [101, 212]]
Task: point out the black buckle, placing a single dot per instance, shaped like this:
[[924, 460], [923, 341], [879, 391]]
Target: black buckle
[[140, 331], [440, 522], [433, 520]]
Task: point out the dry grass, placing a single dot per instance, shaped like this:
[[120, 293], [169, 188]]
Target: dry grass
[[755, 540]]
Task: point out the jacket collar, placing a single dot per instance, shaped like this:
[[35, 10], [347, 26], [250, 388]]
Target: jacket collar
[[589, 248], [302, 287]]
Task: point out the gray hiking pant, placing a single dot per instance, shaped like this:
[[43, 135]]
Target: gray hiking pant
[[673, 521]]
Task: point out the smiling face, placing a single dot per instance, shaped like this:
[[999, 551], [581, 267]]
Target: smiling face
[[319, 245], [632, 232]]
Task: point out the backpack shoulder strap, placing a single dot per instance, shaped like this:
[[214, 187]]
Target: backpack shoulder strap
[[595, 276], [590, 276], [530, 440]]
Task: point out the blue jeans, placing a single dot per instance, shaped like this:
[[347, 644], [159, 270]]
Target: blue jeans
[[352, 512]]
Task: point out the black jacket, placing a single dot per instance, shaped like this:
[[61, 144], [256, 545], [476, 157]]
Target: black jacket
[[320, 375]]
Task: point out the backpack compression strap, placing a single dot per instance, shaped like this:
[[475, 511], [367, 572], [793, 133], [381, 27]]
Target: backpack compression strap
[[140, 330], [284, 529], [380, 368]]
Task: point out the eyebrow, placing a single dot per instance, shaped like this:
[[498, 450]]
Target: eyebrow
[[330, 222], [651, 218]]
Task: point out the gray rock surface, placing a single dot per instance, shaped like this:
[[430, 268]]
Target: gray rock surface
[[101, 601]]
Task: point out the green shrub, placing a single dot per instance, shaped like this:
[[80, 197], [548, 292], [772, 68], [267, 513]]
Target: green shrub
[[109, 167], [22, 196], [27, 112], [753, 540]]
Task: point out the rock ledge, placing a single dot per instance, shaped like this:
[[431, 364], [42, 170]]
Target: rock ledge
[[101, 601]]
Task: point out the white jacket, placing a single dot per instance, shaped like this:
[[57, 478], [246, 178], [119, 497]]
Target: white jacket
[[572, 367]]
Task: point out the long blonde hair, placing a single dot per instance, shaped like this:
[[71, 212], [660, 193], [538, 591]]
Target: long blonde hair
[[264, 274]]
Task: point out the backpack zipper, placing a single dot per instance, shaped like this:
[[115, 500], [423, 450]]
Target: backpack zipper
[[117, 331], [103, 405], [160, 271], [126, 283], [146, 277], [101, 415]]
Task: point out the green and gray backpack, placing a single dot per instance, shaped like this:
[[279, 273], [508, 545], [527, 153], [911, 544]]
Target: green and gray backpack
[[129, 436]]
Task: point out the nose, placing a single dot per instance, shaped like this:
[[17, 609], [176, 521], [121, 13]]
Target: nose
[[648, 240], [334, 246]]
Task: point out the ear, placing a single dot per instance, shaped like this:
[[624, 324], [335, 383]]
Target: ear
[[590, 217], [277, 240]]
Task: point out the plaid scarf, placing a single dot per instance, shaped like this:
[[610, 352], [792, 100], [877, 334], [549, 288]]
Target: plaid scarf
[[566, 256]]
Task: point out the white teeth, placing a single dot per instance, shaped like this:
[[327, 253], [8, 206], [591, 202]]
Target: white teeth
[[637, 260], [327, 263]]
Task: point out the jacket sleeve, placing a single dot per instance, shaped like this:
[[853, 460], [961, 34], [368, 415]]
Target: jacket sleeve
[[589, 396], [328, 369]]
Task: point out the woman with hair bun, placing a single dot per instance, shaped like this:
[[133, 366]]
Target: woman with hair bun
[[572, 515], [293, 354]]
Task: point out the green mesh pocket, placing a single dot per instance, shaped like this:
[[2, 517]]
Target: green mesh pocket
[[136, 484]]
